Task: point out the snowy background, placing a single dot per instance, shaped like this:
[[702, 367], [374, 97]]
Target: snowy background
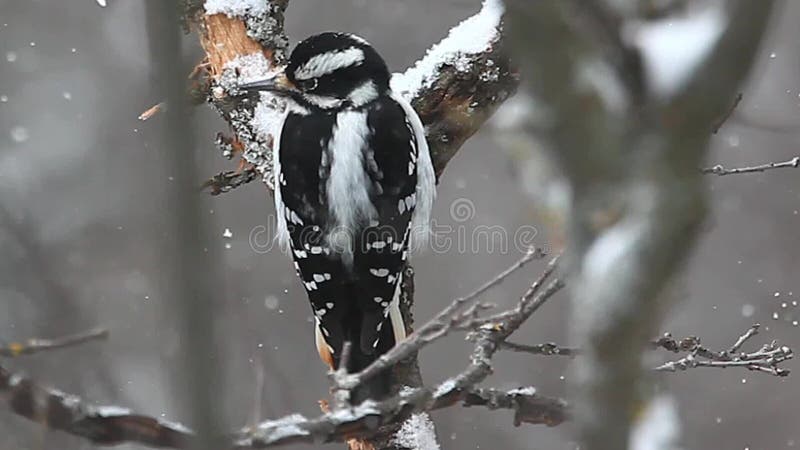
[[81, 225]]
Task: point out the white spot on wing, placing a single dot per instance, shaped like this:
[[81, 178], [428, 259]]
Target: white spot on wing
[[411, 200], [379, 272], [294, 218]]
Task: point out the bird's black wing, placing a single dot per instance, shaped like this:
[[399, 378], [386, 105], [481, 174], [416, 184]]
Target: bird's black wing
[[304, 167], [390, 161]]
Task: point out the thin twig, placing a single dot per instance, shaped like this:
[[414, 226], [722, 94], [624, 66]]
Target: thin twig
[[529, 256], [525, 306], [152, 111], [39, 345], [226, 181], [444, 322], [488, 337], [752, 331], [546, 349], [766, 359], [720, 170]]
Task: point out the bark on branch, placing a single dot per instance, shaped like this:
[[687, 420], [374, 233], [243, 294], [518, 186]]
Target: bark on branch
[[455, 88]]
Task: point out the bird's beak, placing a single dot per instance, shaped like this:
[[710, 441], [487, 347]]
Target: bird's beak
[[278, 84]]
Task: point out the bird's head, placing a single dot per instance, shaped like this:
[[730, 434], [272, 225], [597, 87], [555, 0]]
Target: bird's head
[[330, 71]]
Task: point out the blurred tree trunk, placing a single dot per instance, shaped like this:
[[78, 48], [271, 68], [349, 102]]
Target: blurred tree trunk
[[194, 282], [631, 157]]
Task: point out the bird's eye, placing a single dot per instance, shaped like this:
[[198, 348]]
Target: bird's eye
[[308, 85]]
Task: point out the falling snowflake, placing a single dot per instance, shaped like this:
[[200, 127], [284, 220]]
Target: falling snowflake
[[19, 134]]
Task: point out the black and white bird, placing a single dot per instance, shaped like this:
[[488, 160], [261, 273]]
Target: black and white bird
[[354, 184]]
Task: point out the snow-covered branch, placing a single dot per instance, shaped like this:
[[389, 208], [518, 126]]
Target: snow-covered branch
[[102, 425], [461, 81], [369, 420], [111, 425], [455, 87]]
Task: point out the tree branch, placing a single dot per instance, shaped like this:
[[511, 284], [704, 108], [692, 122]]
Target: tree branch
[[461, 81], [110, 425], [766, 359], [720, 170], [113, 425], [455, 88], [31, 346], [444, 322]]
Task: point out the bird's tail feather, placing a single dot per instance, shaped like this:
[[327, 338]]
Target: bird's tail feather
[[380, 386]]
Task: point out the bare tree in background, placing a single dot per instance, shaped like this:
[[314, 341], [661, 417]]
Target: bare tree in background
[[629, 142]]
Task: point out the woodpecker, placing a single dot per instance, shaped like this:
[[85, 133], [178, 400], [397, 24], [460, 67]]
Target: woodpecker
[[354, 185]]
